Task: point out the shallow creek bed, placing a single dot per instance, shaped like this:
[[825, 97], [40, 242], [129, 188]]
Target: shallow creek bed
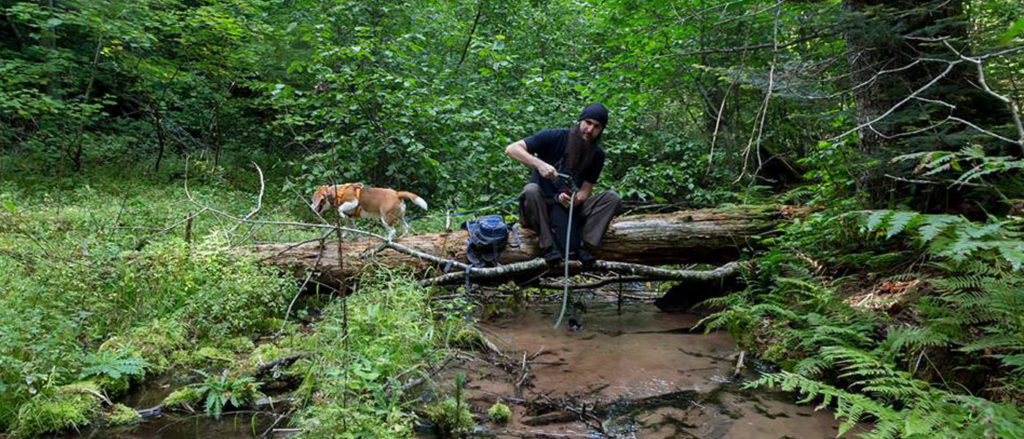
[[631, 371], [637, 372]]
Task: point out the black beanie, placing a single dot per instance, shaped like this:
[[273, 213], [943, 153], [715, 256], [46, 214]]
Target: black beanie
[[597, 112]]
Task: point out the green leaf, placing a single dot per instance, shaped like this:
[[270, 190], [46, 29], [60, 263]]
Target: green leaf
[[1015, 29], [211, 404]]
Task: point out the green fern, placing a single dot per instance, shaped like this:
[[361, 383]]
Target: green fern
[[950, 236], [899, 221], [913, 338], [112, 364], [933, 225], [934, 413], [876, 219]]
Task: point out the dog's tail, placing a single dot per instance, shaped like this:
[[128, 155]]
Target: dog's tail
[[414, 198]]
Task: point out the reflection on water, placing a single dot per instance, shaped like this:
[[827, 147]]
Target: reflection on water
[[639, 373], [174, 426]]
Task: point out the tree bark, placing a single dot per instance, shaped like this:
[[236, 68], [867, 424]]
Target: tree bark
[[694, 236], [892, 50]]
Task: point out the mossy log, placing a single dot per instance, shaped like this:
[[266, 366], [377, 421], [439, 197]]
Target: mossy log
[[691, 236]]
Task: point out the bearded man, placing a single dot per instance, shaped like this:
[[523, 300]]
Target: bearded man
[[544, 202]]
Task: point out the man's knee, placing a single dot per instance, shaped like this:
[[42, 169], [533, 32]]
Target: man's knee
[[611, 200], [532, 207], [532, 192]]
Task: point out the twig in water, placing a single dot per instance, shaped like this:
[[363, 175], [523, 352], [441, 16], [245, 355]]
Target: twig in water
[[739, 365]]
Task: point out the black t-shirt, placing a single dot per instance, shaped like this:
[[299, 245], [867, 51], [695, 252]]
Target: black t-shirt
[[549, 145]]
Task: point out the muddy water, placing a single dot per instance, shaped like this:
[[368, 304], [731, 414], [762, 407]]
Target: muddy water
[[641, 373]]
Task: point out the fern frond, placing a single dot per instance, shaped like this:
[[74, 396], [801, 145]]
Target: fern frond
[[916, 338], [876, 219], [899, 221]]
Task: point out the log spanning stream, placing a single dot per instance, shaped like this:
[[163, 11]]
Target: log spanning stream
[[638, 372]]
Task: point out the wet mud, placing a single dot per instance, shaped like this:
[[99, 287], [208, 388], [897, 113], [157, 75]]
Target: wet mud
[[636, 373]]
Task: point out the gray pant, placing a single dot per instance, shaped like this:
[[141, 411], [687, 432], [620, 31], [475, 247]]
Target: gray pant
[[594, 215]]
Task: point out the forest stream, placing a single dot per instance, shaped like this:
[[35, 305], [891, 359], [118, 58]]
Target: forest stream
[[629, 372], [635, 373]]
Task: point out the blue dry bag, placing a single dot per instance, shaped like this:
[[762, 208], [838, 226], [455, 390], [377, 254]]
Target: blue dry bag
[[488, 237]]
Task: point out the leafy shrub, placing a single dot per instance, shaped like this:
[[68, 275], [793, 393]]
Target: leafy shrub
[[220, 391]]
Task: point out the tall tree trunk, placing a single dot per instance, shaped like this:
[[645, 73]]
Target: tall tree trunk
[[158, 126], [889, 45]]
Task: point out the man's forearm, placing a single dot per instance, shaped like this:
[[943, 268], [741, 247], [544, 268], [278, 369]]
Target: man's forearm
[[517, 150]]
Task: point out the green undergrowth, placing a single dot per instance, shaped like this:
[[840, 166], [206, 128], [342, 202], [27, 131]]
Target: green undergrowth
[[353, 383], [910, 323], [97, 283]]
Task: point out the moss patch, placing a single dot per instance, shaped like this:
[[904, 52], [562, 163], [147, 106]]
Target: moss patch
[[209, 353], [56, 410], [237, 345], [183, 398], [263, 354], [155, 343], [499, 413], [121, 414], [468, 338], [114, 386]]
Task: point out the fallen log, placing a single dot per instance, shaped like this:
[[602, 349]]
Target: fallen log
[[532, 267], [693, 236]]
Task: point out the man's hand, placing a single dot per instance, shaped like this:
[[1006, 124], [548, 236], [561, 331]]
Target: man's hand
[[547, 171], [517, 150], [563, 198]]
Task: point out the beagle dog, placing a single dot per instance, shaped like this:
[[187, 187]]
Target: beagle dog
[[354, 200]]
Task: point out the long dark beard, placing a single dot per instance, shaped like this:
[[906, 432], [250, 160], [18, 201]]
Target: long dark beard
[[579, 152]]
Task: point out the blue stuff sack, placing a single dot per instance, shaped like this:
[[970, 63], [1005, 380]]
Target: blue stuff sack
[[488, 237]]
